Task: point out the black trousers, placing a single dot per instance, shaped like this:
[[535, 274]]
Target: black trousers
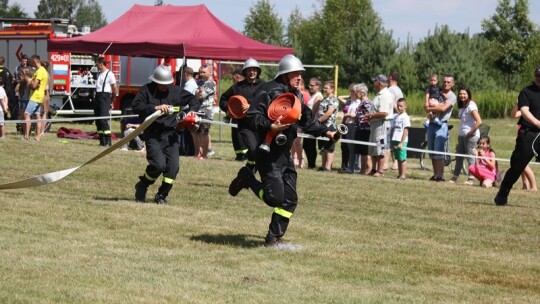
[[162, 154], [102, 107], [522, 155], [277, 188], [310, 147], [249, 139]]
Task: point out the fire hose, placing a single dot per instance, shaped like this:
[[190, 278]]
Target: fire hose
[[237, 105], [287, 108]]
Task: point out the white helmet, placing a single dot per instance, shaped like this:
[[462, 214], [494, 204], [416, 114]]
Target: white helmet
[[289, 63], [251, 63], [162, 75]]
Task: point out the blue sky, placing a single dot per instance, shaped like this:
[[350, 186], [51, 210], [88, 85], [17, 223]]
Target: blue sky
[[404, 17]]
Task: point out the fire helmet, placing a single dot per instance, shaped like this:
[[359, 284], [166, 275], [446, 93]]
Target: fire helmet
[[289, 63], [251, 63], [162, 75]]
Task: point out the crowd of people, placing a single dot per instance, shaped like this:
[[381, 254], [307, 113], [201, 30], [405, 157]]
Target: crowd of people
[[270, 145]]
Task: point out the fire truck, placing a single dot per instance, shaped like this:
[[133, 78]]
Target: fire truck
[[72, 76]]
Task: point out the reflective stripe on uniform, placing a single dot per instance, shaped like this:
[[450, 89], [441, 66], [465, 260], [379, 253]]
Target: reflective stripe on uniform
[[177, 109], [148, 177], [251, 162], [283, 212], [243, 151], [168, 180], [261, 193], [107, 132]]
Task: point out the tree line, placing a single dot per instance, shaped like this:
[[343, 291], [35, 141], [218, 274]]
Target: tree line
[[350, 33]]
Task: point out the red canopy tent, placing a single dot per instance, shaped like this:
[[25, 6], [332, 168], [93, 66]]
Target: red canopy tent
[[170, 31]]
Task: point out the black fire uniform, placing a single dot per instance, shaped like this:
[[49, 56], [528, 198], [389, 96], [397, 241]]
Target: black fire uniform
[[527, 139], [277, 187], [243, 138], [162, 150]]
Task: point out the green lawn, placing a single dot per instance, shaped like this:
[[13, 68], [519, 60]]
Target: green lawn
[[354, 239]]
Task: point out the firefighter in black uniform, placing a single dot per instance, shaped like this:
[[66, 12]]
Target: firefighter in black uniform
[[244, 140], [162, 150], [277, 187], [528, 139]]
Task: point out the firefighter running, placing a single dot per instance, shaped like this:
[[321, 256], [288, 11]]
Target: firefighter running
[[277, 187], [162, 150], [244, 140]]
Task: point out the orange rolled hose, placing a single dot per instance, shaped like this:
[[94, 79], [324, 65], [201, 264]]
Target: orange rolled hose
[[286, 105], [237, 106]]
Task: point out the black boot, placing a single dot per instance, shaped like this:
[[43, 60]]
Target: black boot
[[101, 139], [501, 198], [140, 189], [162, 193], [108, 140]]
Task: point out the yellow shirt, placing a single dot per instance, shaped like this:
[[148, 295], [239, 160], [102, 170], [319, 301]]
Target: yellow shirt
[[42, 76]]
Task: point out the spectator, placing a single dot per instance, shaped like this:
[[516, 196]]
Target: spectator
[[3, 108], [346, 101], [237, 75], [433, 97], [437, 134], [310, 144], [190, 84], [379, 119], [400, 133], [468, 133], [45, 110], [527, 176], [17, 77], [127, 126], [106, 90], [296, 150], [10, 89], [38, 86], [326, 115], [205, 93], [393, 79], [363, 127], [485, 168], [23, 90], [349, 162]]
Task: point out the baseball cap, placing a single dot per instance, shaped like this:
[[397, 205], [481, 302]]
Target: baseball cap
[[537, 71], [381, 78]]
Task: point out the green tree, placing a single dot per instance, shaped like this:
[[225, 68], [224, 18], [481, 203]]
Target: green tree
[[90, 15], [403, 62], [263, 24], [85, 12], [11, 11], [447, 52], [158, 3], [509, 31]]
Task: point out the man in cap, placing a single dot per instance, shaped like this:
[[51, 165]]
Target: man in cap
[[277, 187], [527, 141], [243, 139], [379, 118], [160, 137]]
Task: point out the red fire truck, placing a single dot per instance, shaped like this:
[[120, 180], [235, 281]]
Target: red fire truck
[[73, 76]]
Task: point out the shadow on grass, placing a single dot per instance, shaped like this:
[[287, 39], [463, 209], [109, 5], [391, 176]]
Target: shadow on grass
[[238, 240]]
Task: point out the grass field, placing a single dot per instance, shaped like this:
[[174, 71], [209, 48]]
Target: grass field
[[356, 239]]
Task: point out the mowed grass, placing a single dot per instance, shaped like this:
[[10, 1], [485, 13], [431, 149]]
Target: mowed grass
[[354, 239]]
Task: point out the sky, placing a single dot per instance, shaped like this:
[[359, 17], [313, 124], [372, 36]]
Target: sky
[[405, 18]]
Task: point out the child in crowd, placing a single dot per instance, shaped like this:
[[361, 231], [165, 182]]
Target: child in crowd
[[400, 132], [485, 168], [433, 97]]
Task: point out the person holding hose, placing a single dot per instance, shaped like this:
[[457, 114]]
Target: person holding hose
[[277, 187]]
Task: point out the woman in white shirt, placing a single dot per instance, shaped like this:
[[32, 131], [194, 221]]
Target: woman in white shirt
[[469, 132]]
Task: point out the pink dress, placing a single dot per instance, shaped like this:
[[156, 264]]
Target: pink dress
[[481, 171]]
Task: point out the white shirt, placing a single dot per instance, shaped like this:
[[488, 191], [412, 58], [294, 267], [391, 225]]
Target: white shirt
[[191, 86], [466, 119], [101, 81], [383, 102], [352, 110], [311, 102], [401, 121]]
